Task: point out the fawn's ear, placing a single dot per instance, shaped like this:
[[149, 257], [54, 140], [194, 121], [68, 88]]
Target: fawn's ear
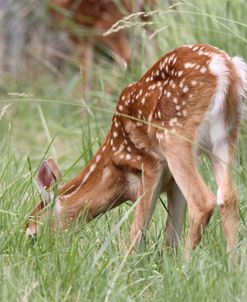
[[48, 174], [54, 168]]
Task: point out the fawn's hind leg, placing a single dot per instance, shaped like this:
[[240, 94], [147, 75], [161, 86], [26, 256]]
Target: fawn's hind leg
[[200, 200], [223, 159]]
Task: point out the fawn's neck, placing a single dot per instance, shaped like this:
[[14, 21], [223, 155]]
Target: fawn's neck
[[100, 187]]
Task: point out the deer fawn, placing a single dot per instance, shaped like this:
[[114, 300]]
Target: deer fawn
[[96, 17], [189, 102], [99, 15]]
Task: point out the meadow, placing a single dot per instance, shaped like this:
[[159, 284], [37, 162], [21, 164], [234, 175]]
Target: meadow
[[44, 115]]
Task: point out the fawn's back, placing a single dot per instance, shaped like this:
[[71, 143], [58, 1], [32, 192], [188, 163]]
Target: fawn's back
[[191, 92]]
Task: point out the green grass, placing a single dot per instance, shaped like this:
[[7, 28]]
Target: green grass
[[89, 262]]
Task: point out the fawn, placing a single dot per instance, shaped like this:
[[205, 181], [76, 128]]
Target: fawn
[[187, 103], [99, 15], [95, 17]]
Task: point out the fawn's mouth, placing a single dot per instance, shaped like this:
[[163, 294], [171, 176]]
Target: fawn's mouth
[[31, 231]]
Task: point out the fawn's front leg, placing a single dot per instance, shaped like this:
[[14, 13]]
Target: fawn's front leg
[[148, 191]]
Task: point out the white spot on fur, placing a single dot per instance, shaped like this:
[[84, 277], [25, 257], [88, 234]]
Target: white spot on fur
[[92, 168], [128, 156], [173, 121], [86, 177], [195, 48], [204, 53], [189, 65], [203, 69], [185, 89], [98, 157]]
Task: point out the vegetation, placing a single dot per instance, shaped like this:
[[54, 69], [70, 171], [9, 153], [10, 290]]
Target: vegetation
[[42, 114]]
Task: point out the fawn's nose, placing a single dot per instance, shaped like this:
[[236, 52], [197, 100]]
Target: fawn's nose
[[31, 232]]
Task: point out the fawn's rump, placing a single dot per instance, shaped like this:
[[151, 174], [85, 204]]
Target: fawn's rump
[[227, 102]]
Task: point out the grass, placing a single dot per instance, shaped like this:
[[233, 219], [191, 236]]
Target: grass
[[90, 262]]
